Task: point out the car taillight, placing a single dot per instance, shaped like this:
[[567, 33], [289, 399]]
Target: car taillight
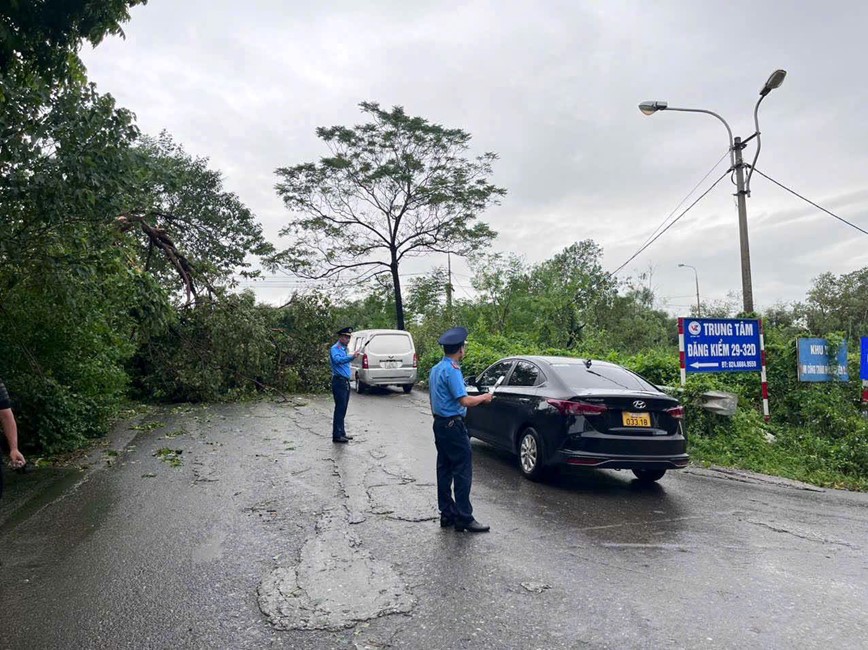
[[365, 361], [566, 407], [676, 412], [415, 360]]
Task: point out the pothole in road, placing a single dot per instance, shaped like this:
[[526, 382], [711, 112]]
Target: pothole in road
[[407, 502], [335, 584]]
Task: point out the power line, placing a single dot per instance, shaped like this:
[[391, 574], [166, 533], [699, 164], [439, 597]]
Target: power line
[[672, 223], [819, 207], [686, 196], [464, 289]]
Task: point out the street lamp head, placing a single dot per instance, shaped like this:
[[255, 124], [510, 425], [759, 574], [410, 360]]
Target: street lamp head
[[649, 108], [774, 81]]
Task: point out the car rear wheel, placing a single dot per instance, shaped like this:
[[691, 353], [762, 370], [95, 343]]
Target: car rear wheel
[[530, 454], [361, 386], [407, 387], [649, 475]]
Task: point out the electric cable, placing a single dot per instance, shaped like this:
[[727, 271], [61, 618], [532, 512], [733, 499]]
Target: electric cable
[[672, 223], [819, 207], [686, 196]]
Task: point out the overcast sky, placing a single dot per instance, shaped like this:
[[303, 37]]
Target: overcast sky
[[552, 87]]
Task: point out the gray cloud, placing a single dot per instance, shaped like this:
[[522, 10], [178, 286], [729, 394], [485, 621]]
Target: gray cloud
[[552, 87]]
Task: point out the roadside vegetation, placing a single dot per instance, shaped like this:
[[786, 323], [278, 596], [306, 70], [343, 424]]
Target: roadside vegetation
[[119, 253]]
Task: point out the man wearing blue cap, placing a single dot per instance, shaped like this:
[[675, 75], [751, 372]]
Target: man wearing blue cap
[[341, 373], [449, 403]]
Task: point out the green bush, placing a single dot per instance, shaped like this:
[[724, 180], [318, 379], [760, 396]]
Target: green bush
[[214, 351], [233, 348], [61, 418], [65, 338]]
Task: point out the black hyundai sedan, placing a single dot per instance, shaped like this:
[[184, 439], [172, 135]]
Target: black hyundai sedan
[[561, 410]]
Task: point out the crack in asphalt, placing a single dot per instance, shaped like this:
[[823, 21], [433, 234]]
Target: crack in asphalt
[[335, 583], [744, 476], [806, 535]]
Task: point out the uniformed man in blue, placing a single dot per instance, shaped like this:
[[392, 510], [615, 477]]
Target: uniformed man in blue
[[449, 403], [340, 360]]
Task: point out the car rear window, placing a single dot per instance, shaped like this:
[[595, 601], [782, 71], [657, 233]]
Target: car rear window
[[390, 344], [579, 377]]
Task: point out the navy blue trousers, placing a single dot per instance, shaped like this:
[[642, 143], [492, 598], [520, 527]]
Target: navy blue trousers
[[454, 469], [341, 393]]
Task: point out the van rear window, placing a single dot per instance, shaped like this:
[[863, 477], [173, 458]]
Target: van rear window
[[390, 344]]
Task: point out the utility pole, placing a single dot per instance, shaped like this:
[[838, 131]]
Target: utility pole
[[736, 145], [741, 195], [449, 285]]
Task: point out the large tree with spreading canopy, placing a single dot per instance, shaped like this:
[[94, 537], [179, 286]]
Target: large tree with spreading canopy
[[393, 188]]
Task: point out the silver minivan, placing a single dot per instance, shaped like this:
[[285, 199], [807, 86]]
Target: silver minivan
[[388, 359]]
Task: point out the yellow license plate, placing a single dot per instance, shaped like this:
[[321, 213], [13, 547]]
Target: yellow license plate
[[636, 419]]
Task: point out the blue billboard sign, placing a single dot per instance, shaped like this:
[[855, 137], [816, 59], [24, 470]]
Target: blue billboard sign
[[815, 364], [863, 365], [722, 345]]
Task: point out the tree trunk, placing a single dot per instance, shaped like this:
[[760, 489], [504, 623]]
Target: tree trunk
[[399, 302]]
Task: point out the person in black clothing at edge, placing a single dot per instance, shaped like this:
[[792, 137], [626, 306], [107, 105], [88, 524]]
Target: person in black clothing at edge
[[10, 428], [449, 402], [340, 360]]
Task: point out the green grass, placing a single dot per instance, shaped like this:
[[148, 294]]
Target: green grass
[[796, 454]]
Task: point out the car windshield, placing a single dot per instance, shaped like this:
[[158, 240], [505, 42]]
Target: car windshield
[[389, 344], [580, 377]]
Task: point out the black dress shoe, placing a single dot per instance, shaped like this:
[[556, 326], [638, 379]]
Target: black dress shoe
[[348, 437], [343, 439], [472, 527], [446, 522]]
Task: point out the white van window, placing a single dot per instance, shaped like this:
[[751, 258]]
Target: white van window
[[389, 344]]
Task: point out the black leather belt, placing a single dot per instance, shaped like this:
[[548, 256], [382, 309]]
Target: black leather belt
[[340, 377], [448, 417]]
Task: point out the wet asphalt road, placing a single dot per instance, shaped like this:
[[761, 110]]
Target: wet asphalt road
[[266, 535]]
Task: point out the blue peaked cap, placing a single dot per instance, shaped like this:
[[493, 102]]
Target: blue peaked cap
[[455, 336]]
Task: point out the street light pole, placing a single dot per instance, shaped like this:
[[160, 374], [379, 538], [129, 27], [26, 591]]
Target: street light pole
[[695, 277], [736, 145], [741, 197]]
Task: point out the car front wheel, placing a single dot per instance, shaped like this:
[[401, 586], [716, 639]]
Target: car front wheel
[[649, 475], [530, 454]]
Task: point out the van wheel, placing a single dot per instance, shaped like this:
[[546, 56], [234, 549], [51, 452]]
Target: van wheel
[[361, 387], [407, 387]]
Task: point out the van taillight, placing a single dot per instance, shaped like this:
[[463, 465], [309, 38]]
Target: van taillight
[[566, 407], [676, 412], [365, 361], [415, 360]]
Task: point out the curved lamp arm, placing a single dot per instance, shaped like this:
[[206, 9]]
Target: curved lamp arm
[[702, 110], [758, 144]]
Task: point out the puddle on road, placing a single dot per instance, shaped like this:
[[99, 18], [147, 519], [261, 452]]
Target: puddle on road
[[335, 584], [26, 494]]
